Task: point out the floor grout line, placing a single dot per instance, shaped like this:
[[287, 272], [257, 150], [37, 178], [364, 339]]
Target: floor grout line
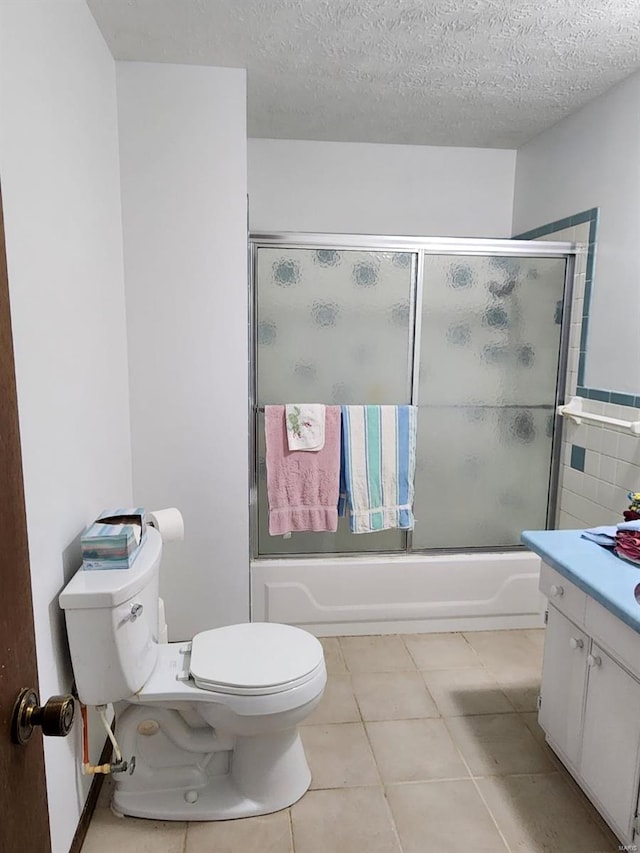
[[392, 819], [491, 814], [482, 798], [292, 837], [382, 784]]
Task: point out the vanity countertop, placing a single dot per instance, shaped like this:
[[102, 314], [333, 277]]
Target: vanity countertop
[[596, 570]]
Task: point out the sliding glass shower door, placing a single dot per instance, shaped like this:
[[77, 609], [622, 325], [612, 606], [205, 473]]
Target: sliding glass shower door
[[489, 354], [334, 327], [471, 336]]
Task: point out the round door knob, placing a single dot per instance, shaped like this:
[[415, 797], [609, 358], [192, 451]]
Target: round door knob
[[576, 643], [55, 717], [594, 660], [556, 590]]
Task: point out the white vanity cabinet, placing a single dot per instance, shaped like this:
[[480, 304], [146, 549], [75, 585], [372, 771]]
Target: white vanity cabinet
[[590, 700], [563, 684]]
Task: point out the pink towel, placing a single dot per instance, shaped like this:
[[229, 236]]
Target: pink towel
[[302, 487]]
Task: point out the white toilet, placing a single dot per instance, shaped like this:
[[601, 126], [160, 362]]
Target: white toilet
[[210, 726]]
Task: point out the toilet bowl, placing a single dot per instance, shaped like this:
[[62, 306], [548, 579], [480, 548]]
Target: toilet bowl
[[208, 728]]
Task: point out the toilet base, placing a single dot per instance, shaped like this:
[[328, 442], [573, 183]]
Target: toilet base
[[267, 773], [220, 800]]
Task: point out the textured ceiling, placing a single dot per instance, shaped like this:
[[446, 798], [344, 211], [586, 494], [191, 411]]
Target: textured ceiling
[[435, 72]]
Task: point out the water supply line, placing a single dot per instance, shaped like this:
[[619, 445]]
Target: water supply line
[[103, 716], [88, 769]]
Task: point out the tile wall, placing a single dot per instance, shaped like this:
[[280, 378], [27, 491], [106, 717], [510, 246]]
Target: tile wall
[[599, 464], [597, 494]]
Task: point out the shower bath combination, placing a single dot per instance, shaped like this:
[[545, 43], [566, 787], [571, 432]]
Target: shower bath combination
[[472, 332]]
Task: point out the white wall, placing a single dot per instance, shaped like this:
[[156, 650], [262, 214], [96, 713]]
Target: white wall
[[183, 167], [60, 183], [360, 188], [591, 159]]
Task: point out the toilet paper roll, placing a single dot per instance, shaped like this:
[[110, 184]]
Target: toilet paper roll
[[168, 522]]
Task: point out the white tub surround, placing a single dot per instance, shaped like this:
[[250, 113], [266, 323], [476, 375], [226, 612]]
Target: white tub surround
[[399, 594], [591, 671]]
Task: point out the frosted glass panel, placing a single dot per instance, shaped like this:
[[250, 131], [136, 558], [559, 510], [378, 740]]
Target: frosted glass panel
[[488, 370], [334, 327]]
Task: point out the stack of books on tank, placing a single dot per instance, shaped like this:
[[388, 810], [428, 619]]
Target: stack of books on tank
[[114, 539]]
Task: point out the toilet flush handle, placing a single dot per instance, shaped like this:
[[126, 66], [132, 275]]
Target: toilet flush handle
[[136, 610]]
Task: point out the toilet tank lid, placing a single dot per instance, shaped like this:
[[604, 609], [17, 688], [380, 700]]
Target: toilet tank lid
[[111, 587]]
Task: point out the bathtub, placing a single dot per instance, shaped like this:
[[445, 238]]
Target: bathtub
[[417, 593]]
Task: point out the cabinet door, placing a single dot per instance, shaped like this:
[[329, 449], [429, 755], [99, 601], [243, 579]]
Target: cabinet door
[[563, 684], [611, 739]]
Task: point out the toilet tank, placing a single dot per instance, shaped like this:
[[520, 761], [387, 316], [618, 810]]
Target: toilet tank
[[112, 625]]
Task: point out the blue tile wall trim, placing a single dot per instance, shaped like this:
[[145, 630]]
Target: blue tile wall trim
[[577, 457], [581, 360], [584, 332], [590, 216], [623, 399]]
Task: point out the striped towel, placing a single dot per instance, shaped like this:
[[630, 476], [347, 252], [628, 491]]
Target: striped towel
[[378, 464]]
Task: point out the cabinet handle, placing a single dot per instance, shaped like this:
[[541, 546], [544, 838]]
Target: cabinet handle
[[576, 643], [556, 590], [594, 660]]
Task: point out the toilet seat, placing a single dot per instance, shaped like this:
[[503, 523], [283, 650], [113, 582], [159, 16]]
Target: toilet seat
[[255, 658]]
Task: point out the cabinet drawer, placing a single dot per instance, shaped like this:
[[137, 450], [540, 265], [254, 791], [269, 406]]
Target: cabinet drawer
[[619, 639], [566, 597]]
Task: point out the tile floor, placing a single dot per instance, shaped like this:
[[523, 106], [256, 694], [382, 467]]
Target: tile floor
[[422, 744]]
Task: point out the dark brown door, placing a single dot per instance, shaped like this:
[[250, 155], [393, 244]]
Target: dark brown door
[[24, 819]]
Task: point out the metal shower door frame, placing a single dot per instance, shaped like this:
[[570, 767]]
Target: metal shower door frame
[[419, 246]]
